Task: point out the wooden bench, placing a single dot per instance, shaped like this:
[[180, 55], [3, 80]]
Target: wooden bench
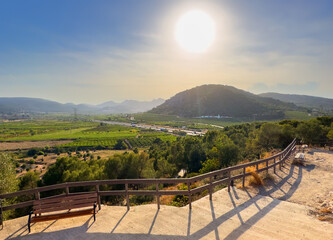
[[86, 201]]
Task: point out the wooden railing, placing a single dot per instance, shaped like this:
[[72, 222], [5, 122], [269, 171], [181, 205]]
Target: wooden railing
[[215, 178]]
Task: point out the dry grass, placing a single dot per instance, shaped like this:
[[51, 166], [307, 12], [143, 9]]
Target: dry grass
[[255, 177], [323, 214], [325, 210], [326, 218]]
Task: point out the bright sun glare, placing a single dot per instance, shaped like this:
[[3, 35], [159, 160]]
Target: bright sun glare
[[195, 31]]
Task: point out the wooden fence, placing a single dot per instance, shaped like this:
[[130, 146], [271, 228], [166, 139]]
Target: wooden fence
[[213, 179]]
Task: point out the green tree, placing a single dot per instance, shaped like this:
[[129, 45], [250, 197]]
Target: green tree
[[269, 136], [228, 154], [8, 182], [210, 165], [312, 132], [330, 133], [120, 145], [29, 181]]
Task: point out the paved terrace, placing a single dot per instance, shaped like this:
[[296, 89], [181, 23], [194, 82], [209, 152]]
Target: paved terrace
[[270, 212]]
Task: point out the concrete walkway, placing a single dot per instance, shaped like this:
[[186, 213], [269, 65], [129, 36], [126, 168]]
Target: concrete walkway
[[235, 215]]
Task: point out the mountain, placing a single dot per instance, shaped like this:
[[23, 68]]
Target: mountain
[[212, 100], [37, 105], [32, 105], [302, 100], [130, 106]]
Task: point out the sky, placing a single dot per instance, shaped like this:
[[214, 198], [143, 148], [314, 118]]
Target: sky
[[84, 51]]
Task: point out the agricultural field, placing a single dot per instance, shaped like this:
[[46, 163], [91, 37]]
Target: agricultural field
[[297, 115], [80, 133], [173, 121]]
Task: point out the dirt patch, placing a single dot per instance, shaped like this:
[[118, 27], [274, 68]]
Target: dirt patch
[[30, 144]]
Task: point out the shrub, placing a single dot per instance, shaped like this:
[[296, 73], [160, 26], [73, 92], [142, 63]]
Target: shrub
[[255, 178], [136, 200]]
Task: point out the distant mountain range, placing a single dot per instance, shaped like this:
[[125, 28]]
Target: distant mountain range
[[206, 100], [37, 105], [303, 100], [213, 100]]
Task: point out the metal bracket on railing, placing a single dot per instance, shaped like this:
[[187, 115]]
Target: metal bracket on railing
[[1, 217]]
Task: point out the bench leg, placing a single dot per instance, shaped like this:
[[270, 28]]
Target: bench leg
[[29, 220], [94, 212]]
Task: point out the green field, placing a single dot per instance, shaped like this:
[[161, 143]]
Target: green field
[[83, 134], [297, 115]]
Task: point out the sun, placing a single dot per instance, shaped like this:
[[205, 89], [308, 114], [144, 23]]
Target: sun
[[195, 31]]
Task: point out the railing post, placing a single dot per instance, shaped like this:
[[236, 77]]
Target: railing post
[[257, 166], [210, 188], [274, 164], [267, 165], [280, 157], [37, 197], [127, 197], [98, 197], [157, 195], [244, 177], [67, 190], [189, 195], [229, 180]]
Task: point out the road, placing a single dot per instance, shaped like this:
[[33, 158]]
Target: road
[[159, 128]]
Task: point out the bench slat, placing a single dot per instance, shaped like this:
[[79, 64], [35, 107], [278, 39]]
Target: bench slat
[[67, 201], [64, 201], [60, 197], [63, 207], [67, 204]]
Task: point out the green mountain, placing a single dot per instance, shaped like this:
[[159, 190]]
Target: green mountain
[[302, 100], [213, 100]]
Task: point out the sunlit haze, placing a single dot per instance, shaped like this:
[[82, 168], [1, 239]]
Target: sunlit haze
[[195, 31], [97, 51]]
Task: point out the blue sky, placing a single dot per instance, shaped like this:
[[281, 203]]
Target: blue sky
[[96, 51]]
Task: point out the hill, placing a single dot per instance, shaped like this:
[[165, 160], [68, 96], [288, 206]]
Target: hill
[[32, 105], [213, 100], [36, 105], [130, 106], [302, 100]]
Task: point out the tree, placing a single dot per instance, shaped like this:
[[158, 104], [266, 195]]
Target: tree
[[196, 157], [228, 154], [269, 135], [330, 133], [312, 132], [210, 165], [8, 181], [120, 145], [29, 180]]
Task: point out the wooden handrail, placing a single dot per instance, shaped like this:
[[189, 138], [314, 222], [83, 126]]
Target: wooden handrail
[[225, 173]]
